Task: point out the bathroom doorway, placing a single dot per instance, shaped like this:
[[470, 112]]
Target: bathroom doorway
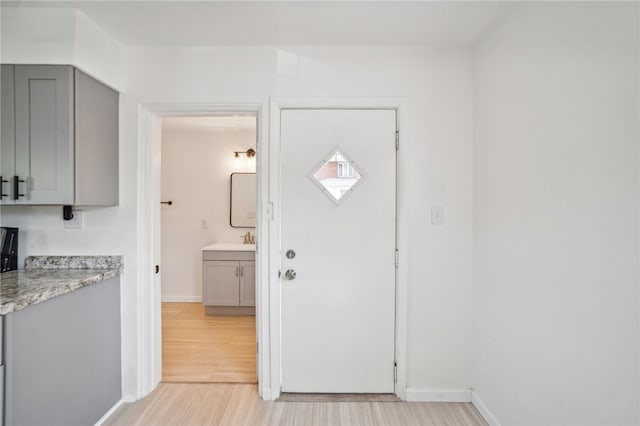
[[207, 214]]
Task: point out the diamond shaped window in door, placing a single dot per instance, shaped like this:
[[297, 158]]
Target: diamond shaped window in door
[[337, 176]]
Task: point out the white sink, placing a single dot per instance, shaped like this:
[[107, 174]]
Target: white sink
[[230, 247]]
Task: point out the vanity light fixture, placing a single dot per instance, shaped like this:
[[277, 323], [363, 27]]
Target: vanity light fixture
[[250, 153]]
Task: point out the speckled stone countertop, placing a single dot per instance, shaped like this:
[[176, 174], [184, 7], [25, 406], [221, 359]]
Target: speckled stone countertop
[[46, 277]]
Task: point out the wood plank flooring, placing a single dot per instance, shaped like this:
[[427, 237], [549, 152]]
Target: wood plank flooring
[[207, 349], [239, 404]]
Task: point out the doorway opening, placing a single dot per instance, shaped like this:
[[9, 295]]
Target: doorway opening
[[208, 234]]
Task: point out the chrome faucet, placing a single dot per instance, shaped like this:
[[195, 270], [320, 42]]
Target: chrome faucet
[[248, 238]]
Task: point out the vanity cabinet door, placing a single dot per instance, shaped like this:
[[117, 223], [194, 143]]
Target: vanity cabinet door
[[247, 283], [221, 283]]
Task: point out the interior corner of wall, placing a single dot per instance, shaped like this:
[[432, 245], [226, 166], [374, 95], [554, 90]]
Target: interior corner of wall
[[484, 411], [96, 52]]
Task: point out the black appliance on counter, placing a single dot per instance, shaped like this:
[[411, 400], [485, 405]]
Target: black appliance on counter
[[8, 249]]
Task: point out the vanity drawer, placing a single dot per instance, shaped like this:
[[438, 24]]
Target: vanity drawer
[[228, 255]]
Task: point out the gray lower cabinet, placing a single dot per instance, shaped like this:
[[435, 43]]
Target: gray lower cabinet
[[1, 371], [59, 137], [1, 395], [221, 283], [62, 358], [229, 279]]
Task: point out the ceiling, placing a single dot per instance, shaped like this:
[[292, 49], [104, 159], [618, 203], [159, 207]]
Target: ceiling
[[289, 23]]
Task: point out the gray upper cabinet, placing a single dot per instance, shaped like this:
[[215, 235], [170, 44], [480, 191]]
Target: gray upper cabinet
[[59, 137], [7, 133]]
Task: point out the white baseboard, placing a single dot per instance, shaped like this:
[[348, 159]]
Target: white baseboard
[[439, 395], [484, 411], [110, 412], [182, 299]]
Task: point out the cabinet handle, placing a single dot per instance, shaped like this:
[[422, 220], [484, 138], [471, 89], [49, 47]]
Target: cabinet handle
[[237, 270], [16, 187], [2, 182], [242, 271]]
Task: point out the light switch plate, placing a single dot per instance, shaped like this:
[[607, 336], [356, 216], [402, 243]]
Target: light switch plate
[[437, 215], [77, 222]]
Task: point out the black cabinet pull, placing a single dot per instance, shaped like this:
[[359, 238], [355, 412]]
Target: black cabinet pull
[[16, 187], [2, 182]]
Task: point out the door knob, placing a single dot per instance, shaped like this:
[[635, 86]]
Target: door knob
[[290, 274]]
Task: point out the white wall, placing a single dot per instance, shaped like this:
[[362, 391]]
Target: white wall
[[437, 83], [556, 216], [196, 168], [60, 36]]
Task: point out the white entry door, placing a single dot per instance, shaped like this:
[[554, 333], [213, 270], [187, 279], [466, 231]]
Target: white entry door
[[338, 174]]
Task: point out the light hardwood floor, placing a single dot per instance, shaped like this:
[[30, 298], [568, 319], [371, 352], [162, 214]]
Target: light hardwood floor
[[204, 348], [239, 404]]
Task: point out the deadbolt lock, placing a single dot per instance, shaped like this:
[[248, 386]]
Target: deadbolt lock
[[290, 254]]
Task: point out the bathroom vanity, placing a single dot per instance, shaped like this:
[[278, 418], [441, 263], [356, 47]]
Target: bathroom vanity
[[228, 279]]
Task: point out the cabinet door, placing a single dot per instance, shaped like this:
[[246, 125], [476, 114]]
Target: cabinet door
[[220, 279], [1, 395], [247, 283], [63, 358], [7, 134], [44, 133]]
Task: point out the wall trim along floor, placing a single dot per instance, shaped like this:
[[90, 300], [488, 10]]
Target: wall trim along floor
[[484, 411], [438, 395]]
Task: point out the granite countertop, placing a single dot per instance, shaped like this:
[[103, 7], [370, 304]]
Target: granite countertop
[[230, 247], [46, 277]]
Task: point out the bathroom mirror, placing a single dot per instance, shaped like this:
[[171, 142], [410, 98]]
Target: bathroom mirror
[[243, 200]]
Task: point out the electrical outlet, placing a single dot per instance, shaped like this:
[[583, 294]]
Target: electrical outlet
[[437, 215], [77, 222]]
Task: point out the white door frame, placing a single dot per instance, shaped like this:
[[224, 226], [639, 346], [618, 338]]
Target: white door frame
[[402, 231], [148, 314], [268, 316]]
